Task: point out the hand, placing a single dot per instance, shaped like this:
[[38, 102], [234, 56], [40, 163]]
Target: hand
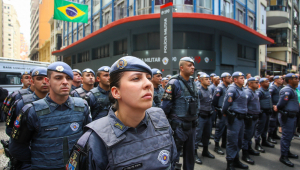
[[275, 108]]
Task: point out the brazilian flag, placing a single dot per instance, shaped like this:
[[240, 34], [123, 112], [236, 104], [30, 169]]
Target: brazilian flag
[[70, 11]]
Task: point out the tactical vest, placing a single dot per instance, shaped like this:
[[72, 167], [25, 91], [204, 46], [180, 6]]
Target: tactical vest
[[205, 100], [293, 103], [10, 101], [275, 96], [151, 149], [58, 132], [239, 105], [181, 104], [253, 104], [103, 104], [265, 100], [221, 98], [157, 96], [80, 91]]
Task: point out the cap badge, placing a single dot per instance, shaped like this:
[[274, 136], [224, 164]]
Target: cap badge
[[88, 70], [60, 68], [256, 79], [240, 74], [122, 63], [106, 69], [293, 75], [37, 72], [158, 72]]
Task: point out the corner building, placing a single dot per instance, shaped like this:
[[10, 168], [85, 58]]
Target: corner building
[[221, 35]]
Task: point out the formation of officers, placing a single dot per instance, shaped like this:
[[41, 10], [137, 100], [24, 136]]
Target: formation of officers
[[136, 119]]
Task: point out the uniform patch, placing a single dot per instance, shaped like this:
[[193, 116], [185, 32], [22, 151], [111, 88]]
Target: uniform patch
[[218, 94], [287, 93], [138, 165], [74, 126], [230, 94], [51, 129], [169, 89], [229, 99], [286, 98], [119, 126], [73, 161], [17, 121], [164, 157], [122, 63], [8, 101]]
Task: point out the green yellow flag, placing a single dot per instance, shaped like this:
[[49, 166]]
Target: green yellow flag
[[70, 11]]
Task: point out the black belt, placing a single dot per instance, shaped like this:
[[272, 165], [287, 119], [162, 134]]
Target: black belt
[[292, 114], [240, 116], [184, 125]]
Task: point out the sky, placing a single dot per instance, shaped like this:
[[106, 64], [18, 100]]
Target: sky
[[22, 8]]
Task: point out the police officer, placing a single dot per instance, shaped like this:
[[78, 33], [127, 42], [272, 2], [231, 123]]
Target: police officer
[[212, 75], [51, 126], [181, 105], [217, 102], [264, 117], [88, 80], [76, 83], [204, 124], [251, 119], [41, 89], [132, 135], [212, 87], [25, 79], [158, 90], [97, 98], [164, 82], [169, 76], [235, 109], [274, 91], [288, 107], [216, 81], [197, 83]]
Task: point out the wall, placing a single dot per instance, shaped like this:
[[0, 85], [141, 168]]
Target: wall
[[45, 13]]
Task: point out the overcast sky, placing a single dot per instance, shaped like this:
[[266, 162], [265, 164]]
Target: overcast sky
[[22, 8]]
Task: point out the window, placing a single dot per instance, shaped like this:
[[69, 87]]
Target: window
[[120, 9], [75, 36], [280, 36], [240, 51], [120, 47], [10, 25], [8, 7], [143, 7], [8, 19], [240, 16], [96, 23], [96, 2], [100, 52], [7, 78], [83, 57], [87, 28], [246, 52], [9, 39], [227, 8], [4, 7], [294, 59], [250, 22], [80, 34], [204, 6], [106, 18], [9, 44]]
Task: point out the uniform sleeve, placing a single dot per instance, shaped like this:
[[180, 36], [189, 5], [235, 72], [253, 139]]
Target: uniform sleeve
[[15, 113], [228, 99], [174, 149], [87, 114], [20, 151], [170, 93], [259, 94], [97, 159], [284, 97], [91, 100], [217, 94]]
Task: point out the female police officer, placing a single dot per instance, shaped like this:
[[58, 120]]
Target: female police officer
[[133, 135]]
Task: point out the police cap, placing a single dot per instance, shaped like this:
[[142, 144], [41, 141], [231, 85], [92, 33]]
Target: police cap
[[278, 77], [169, 76], [165, 78], [25, 73], [39, 71], [88, 70], [187, 59], [237, 73], [130, 63], [204, 75], [77, 71], [262, 79], [199, 73], [253, 79], [31, 70], [212, 75], [61, 67], [225, 74], [156, 71], [291, 75], [104, 68]]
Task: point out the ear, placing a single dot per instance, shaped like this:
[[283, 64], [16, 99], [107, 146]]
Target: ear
[[21, 80], [31, 80], [115, 93], [98, 79]]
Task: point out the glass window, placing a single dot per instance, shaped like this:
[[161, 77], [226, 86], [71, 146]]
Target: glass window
[[277, 5], [120, 47], [87, 28], [204, 6], [251, 21], [75, 36], [100, 52], [96, 24], [120, 9], [143, 7], [251, 4], [83, 57], [280, 36], [240, 12], [7, 78], [80, 34], [88, 2], [106, 18]]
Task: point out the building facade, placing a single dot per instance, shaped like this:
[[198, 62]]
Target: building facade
[[44, 52], [283, 28], [24, 48], [55, 38], [1, 28], [222, 35], [11, 32]]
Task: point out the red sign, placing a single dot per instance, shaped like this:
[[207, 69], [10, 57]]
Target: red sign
[[198, 59]]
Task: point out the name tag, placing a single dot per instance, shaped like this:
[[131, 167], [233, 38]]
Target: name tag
[[51, 129], [138, 165]]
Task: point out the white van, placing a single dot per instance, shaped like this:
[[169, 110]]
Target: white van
[[11, 71]]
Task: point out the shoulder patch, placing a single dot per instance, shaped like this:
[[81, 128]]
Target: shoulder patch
[[287, 93], [230, 94], [169, 89]]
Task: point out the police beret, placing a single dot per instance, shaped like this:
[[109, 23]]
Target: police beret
[[187, 59], [104, 68], [169, 76], [216, 77], [263, 79], [39, 71], [212, 75], [156, 71], [130, 63], [78, 71], [291, 75], [253, 79], [199, 73], [31, 70], [88, 70], [61, 67], [25, 73], [225, 74], [204, 75], [277, 77], [237, 73], [165, 78]]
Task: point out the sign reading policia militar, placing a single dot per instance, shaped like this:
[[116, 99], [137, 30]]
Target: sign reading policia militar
[[70, 11], [166, 35]]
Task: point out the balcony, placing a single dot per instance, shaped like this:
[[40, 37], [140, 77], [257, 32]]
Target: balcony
[[276, 15]]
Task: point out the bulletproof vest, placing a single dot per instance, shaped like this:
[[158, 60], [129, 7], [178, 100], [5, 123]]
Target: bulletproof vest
[[58, 132], [157, 96], [10, 101], [293, 103], [221, 98], [239, 105], [275, 94], [151, 149], [205, 100], [265, 100], [103, 104], [181, 104], [81, 92], [253, 104]]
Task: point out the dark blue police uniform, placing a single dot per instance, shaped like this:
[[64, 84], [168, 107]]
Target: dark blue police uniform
[[158, 92], [81, 92], [74, 87], [235, 109]]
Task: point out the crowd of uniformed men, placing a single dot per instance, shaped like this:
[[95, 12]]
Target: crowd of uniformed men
[[44, 129]]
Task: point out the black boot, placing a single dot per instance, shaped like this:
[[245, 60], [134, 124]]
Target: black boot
[[290, 155], [270, 139], [275, 136], [247, 158], [266, 143], [206, 153], [238, 164], [218, 150], [230, 165], [223, 145], [285, 160], [212, 136], [200, 144], [259, 148], [252, 152], [197, 159]]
